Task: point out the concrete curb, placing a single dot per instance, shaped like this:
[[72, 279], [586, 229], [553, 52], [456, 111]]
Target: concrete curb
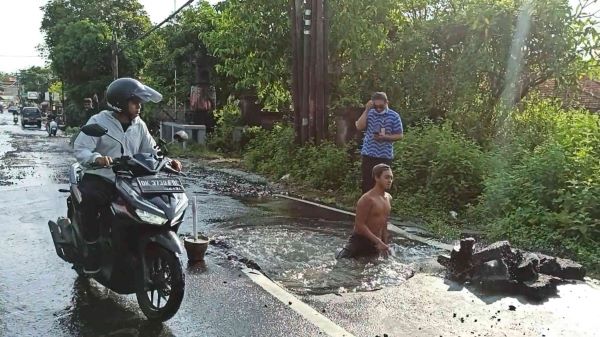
[[303, 309]]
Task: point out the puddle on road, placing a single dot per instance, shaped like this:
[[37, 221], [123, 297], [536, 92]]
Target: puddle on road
[[296, 244], [5, 145], [21, 163]]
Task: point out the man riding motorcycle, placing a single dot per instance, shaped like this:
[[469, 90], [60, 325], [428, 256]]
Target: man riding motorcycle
[[124, 97]]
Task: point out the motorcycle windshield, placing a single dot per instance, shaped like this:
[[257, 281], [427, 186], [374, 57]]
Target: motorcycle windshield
[[147, 94], [147, 160]]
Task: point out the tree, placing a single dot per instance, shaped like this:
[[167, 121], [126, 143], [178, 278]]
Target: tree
[[81, 35], [127, 18], [178, 47], [4, 75], [450, 59], [36, 79], [251, 41]]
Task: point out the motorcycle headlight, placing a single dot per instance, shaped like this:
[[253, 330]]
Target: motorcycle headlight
[[151, 218]]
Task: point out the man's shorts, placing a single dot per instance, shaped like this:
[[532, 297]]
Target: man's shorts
[[358, 246]]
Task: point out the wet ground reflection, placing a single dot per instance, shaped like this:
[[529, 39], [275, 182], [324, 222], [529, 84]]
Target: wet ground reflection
[[94, 311]]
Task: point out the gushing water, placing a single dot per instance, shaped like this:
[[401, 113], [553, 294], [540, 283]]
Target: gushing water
[[299, 253]]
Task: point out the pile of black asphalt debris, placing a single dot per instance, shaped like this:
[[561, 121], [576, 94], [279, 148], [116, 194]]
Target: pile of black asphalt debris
[[498, 268]]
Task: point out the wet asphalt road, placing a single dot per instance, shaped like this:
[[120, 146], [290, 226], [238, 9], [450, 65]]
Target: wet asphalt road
[[41, 296]]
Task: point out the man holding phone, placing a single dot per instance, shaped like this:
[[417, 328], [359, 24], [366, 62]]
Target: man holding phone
[[382, 126]]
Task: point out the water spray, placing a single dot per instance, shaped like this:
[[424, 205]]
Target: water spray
[[514, 65]]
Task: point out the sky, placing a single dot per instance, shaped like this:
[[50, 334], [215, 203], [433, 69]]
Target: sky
[[18, 41]]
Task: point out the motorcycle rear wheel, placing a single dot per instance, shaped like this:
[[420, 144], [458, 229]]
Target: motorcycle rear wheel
[[165, 283]]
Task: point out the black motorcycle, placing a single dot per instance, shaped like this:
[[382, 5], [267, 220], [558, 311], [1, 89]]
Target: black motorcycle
[[138, 244]]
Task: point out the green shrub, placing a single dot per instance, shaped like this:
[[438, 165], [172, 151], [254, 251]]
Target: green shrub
[[227, 119], [437, 168], [545, 194], [271, 151], [351, 186], [324, 166]]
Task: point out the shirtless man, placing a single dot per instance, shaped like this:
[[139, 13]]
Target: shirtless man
[[370, 236]]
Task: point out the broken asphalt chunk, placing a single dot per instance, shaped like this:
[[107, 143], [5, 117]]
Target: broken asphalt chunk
[[563, 268]]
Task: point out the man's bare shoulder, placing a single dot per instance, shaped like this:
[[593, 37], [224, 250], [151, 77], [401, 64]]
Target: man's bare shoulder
[[365, 200], [388, 196]]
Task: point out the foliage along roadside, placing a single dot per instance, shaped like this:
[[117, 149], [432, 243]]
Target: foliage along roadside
[[539, 189]]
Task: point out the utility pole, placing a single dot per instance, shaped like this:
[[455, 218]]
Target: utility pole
[[19, 91], [175, 66], [115, 55], [309, 69], [305, 134], [295, 12]]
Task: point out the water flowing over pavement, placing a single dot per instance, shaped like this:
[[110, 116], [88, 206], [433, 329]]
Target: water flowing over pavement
[[293, 244], [41, 296]]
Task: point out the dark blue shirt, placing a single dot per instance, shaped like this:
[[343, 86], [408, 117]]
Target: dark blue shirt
[[388, 119]]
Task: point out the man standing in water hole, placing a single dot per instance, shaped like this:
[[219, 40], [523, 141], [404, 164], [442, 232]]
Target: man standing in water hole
[[370, 236]]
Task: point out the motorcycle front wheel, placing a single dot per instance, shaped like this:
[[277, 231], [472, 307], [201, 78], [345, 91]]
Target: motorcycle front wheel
[[160, 292]]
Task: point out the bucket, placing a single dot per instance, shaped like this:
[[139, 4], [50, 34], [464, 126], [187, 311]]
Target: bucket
[[196, 248]]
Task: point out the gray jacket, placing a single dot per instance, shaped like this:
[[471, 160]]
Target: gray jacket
[[136, 139]]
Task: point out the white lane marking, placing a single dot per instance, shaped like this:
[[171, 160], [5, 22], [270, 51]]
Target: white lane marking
[[393, 228], [306, 311]]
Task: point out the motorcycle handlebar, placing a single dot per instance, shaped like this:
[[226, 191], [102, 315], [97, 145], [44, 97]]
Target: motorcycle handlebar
[[173, 171], [123, 160], [95, 166], [116, 161]]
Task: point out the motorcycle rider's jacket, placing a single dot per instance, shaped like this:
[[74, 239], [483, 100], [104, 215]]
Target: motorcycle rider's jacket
[[137, 139]]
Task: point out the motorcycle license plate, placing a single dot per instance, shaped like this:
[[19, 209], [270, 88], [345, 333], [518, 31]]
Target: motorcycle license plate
[[160, 185]]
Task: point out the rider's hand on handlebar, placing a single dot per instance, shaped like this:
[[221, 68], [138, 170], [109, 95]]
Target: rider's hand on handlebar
[[176, 165], [103, 161]]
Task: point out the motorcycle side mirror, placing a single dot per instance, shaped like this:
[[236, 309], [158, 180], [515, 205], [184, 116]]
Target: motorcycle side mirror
[[181, 136], [94, 130]]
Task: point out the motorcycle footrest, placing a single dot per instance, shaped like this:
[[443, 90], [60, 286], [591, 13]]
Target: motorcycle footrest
[[58, 234], [65, 248]]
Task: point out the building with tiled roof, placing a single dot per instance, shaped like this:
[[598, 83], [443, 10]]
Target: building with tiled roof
[[586, 95]]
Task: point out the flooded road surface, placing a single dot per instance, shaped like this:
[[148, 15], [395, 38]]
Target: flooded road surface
[[296, 245], [292, 243], [40, 295]]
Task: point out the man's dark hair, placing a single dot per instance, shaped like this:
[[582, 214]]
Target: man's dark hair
[[379, 169], [379, 95]]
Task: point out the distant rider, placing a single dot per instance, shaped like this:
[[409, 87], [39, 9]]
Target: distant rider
[[124, 97]]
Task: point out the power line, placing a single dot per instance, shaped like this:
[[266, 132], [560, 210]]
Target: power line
[[116, 48], [163, 22], [16, 56]]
